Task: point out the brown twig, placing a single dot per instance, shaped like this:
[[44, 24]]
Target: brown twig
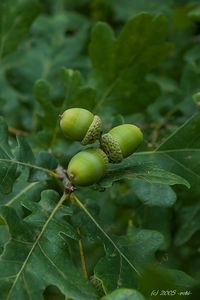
[[16, 131], [62, 175]]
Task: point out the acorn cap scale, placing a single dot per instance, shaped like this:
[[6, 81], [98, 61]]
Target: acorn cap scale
[[94, 131], [111, 147]]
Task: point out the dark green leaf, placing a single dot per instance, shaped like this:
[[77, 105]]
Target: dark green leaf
[[114, 272], [121, 65], [36, 256], [148, 172], [16, 160], [189, 219], [157, 281], [15, 20], [180, 154], [7, 168], [76, 94], [154, 194], [124, 294], [44, 161], [23, 191], [127, 9]]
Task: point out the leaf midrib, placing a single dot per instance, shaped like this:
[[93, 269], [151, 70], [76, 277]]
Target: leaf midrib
[[167, 152], [62, 199], [13, 161], [23, 191], [82, 206]]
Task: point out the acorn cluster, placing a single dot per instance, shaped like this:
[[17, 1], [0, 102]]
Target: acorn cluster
[[88, 166]]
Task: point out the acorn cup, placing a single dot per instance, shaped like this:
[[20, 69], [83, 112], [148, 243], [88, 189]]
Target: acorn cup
[[121, 141], [80, 124], [87, 167]]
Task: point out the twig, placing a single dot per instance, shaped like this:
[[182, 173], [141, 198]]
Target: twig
[[81, 250], [16, 131], [80, 204], [62, 175]]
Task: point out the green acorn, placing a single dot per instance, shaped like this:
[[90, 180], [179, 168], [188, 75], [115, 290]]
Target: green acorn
[[87, 167], [121, 141], [80, 124]]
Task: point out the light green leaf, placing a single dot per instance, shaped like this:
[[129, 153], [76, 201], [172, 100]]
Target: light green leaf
[[195, 12]]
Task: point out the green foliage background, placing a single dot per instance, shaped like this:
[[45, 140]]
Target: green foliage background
[[129, 62]]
